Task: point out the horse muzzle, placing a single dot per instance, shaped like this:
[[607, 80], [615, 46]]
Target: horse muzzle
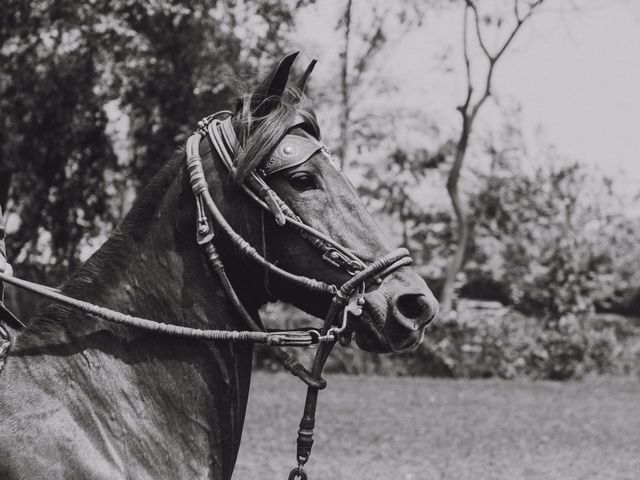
[[396, 313]]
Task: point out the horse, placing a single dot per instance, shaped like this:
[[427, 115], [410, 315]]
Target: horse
[[84, 398]]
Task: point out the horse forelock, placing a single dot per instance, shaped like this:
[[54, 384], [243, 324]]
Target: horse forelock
[[259, 135]]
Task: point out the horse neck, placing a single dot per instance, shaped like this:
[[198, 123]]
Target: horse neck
[[152, 267]]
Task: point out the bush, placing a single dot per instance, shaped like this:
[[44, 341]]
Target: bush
[[507, 344], [485, 340]]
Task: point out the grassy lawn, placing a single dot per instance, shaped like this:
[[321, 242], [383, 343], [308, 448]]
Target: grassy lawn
[[421, 429]]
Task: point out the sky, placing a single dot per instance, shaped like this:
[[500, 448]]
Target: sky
[[578, 76], [574, 69]]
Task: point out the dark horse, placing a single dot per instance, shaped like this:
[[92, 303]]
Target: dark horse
[[84, 398]]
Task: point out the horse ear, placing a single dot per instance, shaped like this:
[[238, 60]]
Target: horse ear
[[301, 83], [266, 96]]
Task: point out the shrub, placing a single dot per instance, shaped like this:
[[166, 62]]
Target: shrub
[[507, 344], [481, 342]]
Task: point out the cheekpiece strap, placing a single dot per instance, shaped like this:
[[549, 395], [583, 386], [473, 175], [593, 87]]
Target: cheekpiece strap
[[231, 140]]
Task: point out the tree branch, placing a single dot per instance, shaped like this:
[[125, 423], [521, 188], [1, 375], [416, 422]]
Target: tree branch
[[467, 63], [519, 23], [493, 59], [473, 7], [469, 112]]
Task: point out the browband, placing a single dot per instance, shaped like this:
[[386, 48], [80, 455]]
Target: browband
[[293, 150]]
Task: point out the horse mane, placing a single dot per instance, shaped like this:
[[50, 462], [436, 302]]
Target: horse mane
[[135, 223], [109, 256], [259, 135]]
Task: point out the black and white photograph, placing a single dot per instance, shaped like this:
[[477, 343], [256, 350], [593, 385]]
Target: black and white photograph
[[320, 239]]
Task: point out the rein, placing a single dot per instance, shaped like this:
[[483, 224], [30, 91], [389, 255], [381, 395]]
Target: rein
[[348, 299]]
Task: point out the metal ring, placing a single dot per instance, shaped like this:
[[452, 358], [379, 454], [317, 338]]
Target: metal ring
[[315, 337], [298, 472], [332, 334]]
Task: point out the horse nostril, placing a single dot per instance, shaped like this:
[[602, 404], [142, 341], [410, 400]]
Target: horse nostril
[[415, 309], [410, 305]]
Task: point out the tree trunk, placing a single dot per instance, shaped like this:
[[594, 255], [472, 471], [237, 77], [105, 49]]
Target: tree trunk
[[462, 218], [469, 111], [344, 88], [454, 267]]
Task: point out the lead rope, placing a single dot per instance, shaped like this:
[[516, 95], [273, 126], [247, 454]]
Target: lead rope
[[387, 264]]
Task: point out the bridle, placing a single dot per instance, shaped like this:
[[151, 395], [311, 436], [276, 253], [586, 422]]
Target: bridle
[[348, 299]]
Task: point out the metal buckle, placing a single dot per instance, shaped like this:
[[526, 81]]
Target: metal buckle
[[295, 338], [355, 308], [340, 260]]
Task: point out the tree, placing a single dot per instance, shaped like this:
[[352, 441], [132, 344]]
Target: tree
[[344, 84], [53, 147], [164, 65], [368, 29], [556, 240], [469, 111]]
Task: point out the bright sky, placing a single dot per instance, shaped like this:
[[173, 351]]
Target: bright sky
[[578, 76], [575, 73]]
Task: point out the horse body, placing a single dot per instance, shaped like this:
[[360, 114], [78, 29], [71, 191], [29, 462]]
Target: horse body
[[81, 398]]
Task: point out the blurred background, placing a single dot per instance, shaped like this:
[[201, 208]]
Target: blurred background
[[498, 141], [536, 267]]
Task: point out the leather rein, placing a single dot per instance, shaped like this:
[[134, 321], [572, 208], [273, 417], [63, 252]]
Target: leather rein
[[347, 300]]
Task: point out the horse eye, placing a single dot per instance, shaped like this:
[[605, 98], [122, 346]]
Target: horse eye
[[303, 181]]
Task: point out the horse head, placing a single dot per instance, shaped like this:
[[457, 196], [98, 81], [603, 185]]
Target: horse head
[[279, 148]]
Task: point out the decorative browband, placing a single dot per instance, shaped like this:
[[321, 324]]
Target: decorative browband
[[293, 150]]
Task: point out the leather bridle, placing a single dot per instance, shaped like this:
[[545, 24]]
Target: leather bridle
[[348, 299]]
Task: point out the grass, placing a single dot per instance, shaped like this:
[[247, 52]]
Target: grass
[[422, 429]]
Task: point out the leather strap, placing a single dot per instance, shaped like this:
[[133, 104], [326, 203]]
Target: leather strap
[[292, 150]]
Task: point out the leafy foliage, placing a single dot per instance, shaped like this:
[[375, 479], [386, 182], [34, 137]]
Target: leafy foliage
[[159, 66], [553, 238], [487, 340], [507, 344], [553, 241], [54, 148]]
